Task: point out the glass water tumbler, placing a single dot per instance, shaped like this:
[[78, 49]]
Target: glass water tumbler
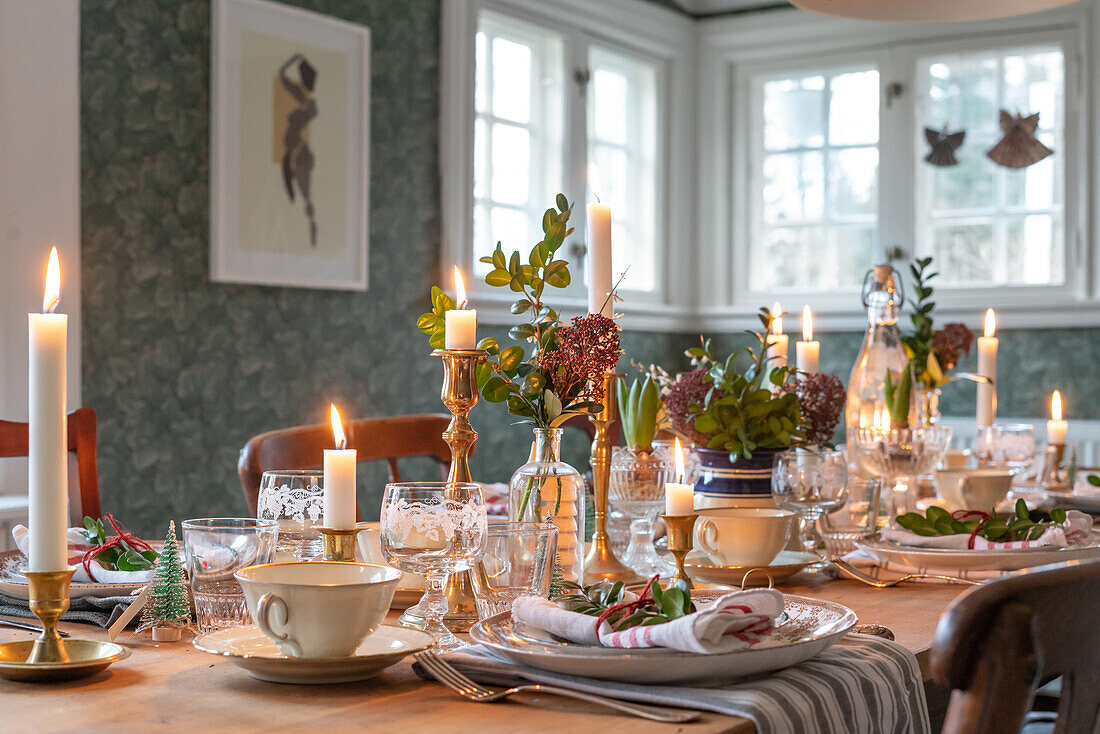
[[215, 549]]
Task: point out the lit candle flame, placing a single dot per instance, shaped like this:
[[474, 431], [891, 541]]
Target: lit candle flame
[[52, 296], [460, 288], [807, 324], [594, 181], [990, 322], [777, 320], [679, 462], [337, 427], [1056, 406]]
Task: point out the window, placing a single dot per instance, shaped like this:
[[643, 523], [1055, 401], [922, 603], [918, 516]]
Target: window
[[519, 101], [816, 172], [622, 149], [984, 223]]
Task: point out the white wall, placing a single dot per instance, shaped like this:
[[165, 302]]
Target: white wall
[[39, 190]]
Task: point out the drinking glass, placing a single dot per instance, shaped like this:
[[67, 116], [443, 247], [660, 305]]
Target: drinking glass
[[810, 482], [295, 500], [433, 529], [636, 485], [518, 561], [857, 518], [216, 548], [899, 456], [1011, 446]]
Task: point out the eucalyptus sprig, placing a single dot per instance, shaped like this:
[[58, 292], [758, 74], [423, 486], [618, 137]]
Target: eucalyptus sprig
[[740, 413]]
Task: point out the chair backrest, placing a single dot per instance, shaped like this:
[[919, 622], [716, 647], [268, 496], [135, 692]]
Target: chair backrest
[[374, 439], [998, 641], [15, 441]]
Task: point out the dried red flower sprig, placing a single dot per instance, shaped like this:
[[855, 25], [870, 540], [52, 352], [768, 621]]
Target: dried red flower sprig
[[584, 350], [821, 399], [688, 389], [950, 343]]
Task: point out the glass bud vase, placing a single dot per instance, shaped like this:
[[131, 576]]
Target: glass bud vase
[[546, 489]]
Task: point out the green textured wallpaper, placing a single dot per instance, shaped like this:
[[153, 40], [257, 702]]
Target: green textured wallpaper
[[183, 371]]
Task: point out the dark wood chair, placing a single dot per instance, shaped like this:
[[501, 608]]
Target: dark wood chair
[[997, 642], [84, 498], [374, 439]]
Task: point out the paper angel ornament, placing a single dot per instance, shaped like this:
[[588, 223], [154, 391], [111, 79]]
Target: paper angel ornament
[[1019, 147], [944, 145]]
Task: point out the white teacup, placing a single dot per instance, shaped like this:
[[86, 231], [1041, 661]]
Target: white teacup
[[743, 536], [318, 610], [956, 459], [973, 489]]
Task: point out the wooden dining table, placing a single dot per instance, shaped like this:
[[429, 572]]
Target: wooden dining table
[[174, 687]]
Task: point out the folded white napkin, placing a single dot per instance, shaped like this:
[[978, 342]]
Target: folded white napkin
[[732, 622], [100, 575], [1076, 531]]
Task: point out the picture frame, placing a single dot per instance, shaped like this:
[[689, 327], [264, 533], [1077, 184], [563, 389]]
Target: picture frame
[[289, 147]]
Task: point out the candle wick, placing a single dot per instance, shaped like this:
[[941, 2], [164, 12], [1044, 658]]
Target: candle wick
[[52, 305], [342, 444]]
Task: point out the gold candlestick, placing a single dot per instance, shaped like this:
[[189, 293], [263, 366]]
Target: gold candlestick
[[338, 544], [1054, 478], [601, 563], [681, 539], [49, 658], [460, 395]]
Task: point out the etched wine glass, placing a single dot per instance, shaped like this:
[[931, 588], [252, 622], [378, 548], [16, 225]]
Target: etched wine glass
[[294, 499], [812, 482], [433, 529]]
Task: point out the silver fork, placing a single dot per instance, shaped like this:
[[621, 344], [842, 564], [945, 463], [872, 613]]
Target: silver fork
[[446, 674], [852, 572]]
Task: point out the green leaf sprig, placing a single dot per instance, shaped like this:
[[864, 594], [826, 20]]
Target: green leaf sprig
[[121, 557], [740, 412], [605, 600], [1022, 525]]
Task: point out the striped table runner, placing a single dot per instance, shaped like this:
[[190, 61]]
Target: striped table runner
[[861, 684]]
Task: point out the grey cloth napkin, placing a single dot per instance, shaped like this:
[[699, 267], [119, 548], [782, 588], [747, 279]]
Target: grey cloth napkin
[[861, 684], [98, 611]]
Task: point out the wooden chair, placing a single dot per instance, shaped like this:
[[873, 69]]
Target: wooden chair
[[375, 439], [997, 642], [84, 500]]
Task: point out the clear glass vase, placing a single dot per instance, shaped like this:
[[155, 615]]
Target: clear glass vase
[[928, 406], [546, 489], [637, 487]]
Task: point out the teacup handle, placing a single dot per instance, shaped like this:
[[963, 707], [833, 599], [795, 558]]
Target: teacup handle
[[708, 536], [271, 604]]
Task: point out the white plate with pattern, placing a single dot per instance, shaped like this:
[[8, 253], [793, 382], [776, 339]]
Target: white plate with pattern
[[813, 625], [951, 559]]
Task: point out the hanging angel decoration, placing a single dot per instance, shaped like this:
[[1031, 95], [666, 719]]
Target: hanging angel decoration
[[944, 145], [1019, 147]]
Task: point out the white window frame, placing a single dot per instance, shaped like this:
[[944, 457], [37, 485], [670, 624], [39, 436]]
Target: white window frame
[[625, 26], [733, 49]]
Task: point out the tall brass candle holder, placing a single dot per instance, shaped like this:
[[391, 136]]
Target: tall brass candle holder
[[1054, 478], [460, 395], [601, 563], [49, 658], [338, 544], [681, 532]]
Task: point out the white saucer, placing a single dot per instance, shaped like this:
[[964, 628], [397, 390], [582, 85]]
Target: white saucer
[[250, 649]]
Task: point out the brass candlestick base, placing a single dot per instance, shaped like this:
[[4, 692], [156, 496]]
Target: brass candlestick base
[[338, 544], [50, 658], [680, 529], [1054, 478], [460, 395], [601, 563]]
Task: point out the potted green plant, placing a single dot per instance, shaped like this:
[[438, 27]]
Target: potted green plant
[[745, 418]]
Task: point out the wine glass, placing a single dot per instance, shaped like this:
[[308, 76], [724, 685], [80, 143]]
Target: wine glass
[[811, 482], [433, 529], [295, 499], [1011, 446]]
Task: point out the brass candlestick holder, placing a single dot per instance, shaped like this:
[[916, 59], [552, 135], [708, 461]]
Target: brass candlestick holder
[[1054, 478], [338, 544], [49, 658], [681, 532], [601, 563], [460, 395]]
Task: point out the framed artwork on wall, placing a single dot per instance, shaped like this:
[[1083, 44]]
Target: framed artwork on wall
[[289, 148]]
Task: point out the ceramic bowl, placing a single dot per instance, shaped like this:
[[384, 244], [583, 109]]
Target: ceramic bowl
[[743, 536], [973, 489], [318, 609]]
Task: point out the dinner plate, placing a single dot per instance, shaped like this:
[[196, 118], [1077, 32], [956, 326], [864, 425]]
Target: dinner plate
[[251, 650], [812, 626], [14, 584], [1084, 502], [951, 559], [782, 567]]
